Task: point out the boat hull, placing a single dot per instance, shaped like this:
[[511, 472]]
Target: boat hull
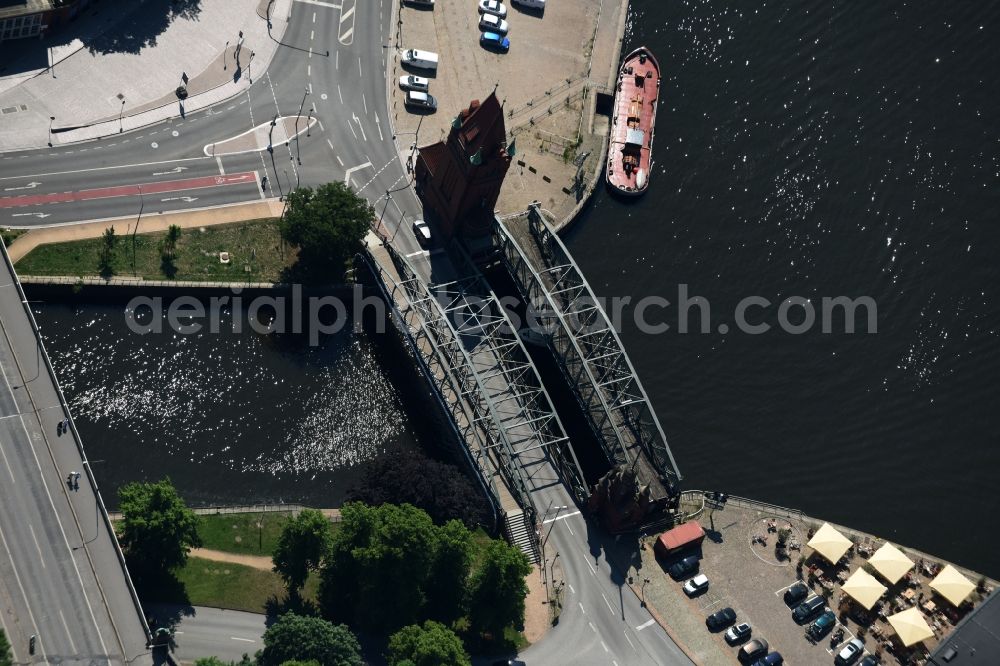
[[630, 146]]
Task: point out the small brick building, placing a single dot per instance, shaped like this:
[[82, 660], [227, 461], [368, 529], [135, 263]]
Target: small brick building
[[459, 179]]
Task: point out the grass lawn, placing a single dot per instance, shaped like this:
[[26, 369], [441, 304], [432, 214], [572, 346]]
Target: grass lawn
[[255, 244], [244, 533], [225, 585]]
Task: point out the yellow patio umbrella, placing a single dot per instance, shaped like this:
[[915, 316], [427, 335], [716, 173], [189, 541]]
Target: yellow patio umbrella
[[863, 588], [952, 585], [891, 563], [829, 543], [910, 626]]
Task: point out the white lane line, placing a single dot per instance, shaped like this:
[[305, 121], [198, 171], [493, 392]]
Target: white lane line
[[320, 3], [242, 640], [360, 73], [604, 646], [567, 515], [625, 631], [103, 168], [413, 254], [321, 128], [580, 604], [351, 127], [646, 625], [309, 70], [592, 627], [7, 462], [336, 62], [572, 591], [34, 538], [365, 102], [608, 603], [222, 170], [330, 143], [340, 94], [312, 34], [52, 505], [40, 646], [62, 617], [347, 176], [314, 17], [339, 161]]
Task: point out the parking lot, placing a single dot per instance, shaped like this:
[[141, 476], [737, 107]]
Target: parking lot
[[746, 577]]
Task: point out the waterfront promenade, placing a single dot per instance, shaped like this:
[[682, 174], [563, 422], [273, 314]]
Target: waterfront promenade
[[62, 579]]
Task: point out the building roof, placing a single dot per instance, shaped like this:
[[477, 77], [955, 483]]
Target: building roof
[[13, 8], [976, 639]]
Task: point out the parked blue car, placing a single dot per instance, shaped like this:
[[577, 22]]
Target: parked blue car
[[492, 40]]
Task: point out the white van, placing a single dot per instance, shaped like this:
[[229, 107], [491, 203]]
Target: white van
[[421, 59], [530, 4]]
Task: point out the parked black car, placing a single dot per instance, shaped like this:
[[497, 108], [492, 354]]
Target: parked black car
[[721, 619], [683, 568], [752, 651], [808, 608], [796, 594]]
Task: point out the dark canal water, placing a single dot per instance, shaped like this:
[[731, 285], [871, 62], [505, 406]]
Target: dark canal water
[[825, 149], [231, 418]]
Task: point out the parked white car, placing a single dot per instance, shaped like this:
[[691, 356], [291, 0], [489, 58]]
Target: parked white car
[[422, 232], [696, 585], [421, 59], [493, 23], [411, 82], [493, 7]]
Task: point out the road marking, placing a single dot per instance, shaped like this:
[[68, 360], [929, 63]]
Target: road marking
[[119, 166], [340, 94], [320, 3], [336, 64], [378, 124], [222, 170], [580, 604], [34, 538], [568, 515], [339, 161], [413, 254], [4, 455], [351, 127], [345, 34], [309, 70], [347, 176], [30, 186], [69, 634], [358, 121], [187, 199], [592, 627], [646, 625], [572, 591], [360, 73], [31, 615], [608, 603], [157, 187], [314, 17], [244, 640], [625, 631], [40, 216], [365, 102], [167, 173], [604, 646]]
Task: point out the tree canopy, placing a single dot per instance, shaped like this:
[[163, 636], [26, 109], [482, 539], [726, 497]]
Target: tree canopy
[[5, 658], [432, 644], [438, 488], [157, 529], [300, 638], [327, 225], [304, 542], [497, 589]]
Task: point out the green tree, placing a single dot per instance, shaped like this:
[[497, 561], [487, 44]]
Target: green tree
[[498, 589], [298, 637], [215, 661], [168, 251], [327, 225], [304, 542], [5, 657], [157, 529], [380, 558], [440, 489], [108, 243], [296, 662], [433, 644], [449, 573]]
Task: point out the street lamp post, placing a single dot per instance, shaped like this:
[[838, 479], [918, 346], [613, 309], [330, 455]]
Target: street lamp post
[[643, 591], [298, 148], [249, 77], [225, 56], [556, 517], [309, 120], [121, 112], [51, 120]]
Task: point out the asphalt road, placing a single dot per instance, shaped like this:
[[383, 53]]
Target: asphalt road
[[206, 632], [603, 621], [60, 579]]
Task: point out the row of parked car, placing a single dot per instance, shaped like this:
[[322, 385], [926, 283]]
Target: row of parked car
[[753, 652], [805, 608]]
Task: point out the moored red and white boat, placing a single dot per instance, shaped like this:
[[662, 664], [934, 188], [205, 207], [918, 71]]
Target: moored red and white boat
[[630, 149]]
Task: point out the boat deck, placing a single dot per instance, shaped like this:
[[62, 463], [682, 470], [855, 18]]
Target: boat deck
[[630, 151]]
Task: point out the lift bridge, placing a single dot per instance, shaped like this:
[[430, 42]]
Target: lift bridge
[[484, 380], [590, 355]]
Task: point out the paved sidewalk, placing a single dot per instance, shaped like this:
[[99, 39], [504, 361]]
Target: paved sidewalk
[[86, 90], [150, 224]]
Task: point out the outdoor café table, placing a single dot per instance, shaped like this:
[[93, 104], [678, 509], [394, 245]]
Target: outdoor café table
[[908, 594], [929, 606]]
